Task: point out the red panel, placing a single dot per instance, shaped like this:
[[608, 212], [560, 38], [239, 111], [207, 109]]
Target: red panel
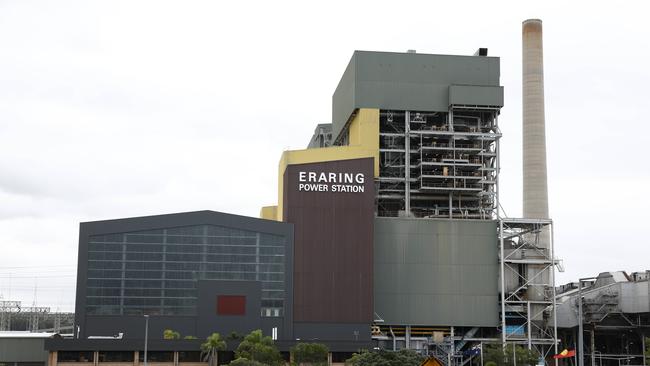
[[231, 305]]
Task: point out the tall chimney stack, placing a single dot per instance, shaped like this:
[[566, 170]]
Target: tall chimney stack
[[534, 161], [534, 136]]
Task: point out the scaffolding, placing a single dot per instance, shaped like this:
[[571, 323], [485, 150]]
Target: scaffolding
[[527, 288], [439, 164]]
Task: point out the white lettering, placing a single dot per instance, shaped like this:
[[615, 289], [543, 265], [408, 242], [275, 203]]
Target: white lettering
[[331, 182], [313, 187], [348, 188]]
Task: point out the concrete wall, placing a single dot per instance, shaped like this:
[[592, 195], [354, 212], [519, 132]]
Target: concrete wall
[[436, 272]]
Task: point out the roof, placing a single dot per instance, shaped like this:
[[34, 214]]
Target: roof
[[24, 334], [192, 218]]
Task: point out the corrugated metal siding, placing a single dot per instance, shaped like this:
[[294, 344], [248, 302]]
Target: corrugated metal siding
[[22, 350], [407, 81], [343, 100], [476, 95], [436, 272], [635, 297]]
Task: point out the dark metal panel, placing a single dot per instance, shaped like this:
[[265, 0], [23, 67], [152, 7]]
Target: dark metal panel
[[60, 344], [184, 219], [132, 326], [436, 272], [351, 332], [332, 245]]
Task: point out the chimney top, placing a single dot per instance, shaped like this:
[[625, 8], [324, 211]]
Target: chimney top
[[481, 52]]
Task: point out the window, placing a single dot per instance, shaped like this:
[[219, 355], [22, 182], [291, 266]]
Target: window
[[156, 271], [115, 356], [157, 356], [75, 356], [190, 356]]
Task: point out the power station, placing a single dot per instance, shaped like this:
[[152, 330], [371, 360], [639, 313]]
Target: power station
[[387, 230], [387, 233]]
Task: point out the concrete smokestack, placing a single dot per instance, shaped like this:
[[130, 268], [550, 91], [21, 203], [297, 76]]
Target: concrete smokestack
[[534, 136], [534, 160]]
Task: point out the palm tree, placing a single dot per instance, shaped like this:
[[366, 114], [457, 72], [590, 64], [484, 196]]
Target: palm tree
[[210, 349]]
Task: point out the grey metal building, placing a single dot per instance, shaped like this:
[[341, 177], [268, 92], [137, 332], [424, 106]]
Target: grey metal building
[[615, 318], [23, 348]]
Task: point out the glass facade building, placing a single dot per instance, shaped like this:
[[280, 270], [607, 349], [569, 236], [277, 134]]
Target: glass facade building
[[157, 271]]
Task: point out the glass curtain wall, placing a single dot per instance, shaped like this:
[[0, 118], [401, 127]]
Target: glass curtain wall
[[155, 272]]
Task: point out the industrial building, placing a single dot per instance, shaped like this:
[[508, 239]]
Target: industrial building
[[387, 232], [615, 319]]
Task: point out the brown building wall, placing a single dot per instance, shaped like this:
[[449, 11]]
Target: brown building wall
[[333, 251]]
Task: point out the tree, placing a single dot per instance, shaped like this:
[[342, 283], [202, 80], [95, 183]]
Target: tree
[[171, 334], [404, 357], [234, 336], [310, 353], [495, 353], [210, 349], [245, 362], [256, 347]]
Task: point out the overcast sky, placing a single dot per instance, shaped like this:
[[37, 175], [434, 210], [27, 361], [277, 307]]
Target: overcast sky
[[126, 108]]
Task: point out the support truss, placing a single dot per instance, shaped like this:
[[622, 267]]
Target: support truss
[[527, 285]]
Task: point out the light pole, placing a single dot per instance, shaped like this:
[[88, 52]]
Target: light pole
[[581, 359], [146, 337]]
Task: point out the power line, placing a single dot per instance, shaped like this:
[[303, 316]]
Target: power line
[[52, 266]]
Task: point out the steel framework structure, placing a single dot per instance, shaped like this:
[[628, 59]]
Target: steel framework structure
[[32, 318], [439, 164], [527, 266]]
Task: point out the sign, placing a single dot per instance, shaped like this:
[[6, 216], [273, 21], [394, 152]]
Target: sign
[[310, 181]]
